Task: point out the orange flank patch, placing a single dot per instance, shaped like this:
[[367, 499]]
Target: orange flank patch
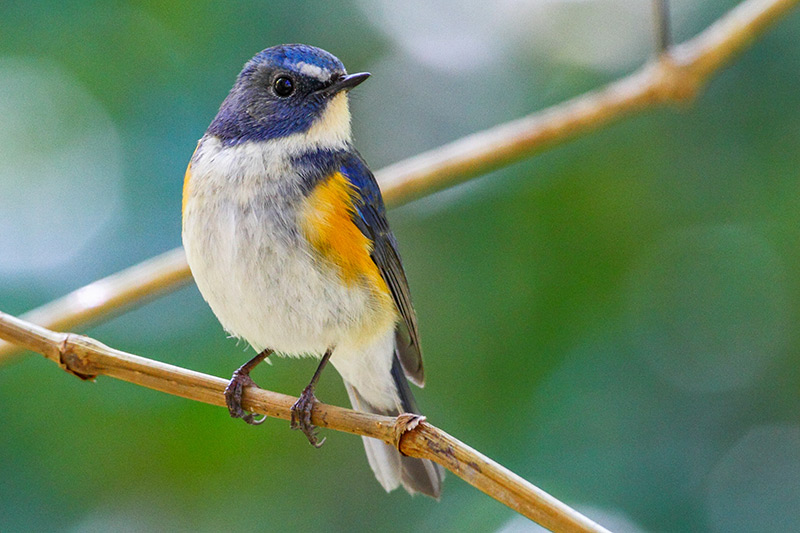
[[326, 220], [186, 179]]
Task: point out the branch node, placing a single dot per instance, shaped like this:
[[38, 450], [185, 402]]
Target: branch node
[[677, 81], [71, 361], [404, 423]]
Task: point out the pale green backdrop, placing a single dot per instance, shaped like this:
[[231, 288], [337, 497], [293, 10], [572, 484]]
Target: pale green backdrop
[[615, 319]]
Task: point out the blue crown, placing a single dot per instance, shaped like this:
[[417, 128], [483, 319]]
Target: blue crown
[[287, 55], [253, 111]]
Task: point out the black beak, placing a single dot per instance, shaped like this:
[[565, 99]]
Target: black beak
[[345, 83]]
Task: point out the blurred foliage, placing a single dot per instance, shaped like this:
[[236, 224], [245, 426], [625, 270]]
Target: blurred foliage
[[613, 319]]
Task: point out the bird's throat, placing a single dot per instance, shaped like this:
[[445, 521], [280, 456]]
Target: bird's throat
[[332, 128]]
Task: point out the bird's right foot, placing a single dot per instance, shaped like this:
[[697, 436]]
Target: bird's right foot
[[233, 397]]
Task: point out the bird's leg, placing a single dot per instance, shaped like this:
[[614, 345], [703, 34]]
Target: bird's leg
[[301, 410], [241, 379]]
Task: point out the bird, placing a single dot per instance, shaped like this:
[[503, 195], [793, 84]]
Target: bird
[[285, 232]]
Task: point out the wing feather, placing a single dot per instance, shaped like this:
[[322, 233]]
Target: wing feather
[[370, 218]]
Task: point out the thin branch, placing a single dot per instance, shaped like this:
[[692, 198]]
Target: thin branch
[[110, 295], [675, 76], [411, 434], [663, 31]]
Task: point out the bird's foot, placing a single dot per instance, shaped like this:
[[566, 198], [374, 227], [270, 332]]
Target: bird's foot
[[233, 398], [301, 416]]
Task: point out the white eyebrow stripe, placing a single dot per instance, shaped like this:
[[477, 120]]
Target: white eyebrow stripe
[[314, 71]]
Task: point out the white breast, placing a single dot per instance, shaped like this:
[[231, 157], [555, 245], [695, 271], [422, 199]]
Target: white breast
[[253, 267]]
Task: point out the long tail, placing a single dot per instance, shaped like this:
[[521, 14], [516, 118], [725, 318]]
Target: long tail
[[390, 467]]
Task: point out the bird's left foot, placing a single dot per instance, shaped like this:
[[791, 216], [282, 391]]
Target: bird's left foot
[[301, 416]]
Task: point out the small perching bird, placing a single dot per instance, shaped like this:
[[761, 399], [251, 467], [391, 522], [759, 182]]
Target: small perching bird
[[286, 235]]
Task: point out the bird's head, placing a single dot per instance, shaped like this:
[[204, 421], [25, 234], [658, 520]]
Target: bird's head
[[288, 90]]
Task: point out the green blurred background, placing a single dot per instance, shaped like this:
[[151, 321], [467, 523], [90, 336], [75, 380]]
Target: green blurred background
[[614, 320]]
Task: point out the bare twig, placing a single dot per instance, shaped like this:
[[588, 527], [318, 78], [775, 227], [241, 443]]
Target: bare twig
[[112, 294], [411, 434], [663, 31], [675, 76]]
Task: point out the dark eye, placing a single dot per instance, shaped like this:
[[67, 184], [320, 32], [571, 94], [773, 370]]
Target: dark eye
[[283, 86]]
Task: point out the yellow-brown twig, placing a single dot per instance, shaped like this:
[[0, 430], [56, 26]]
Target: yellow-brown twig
[[411, 434], [675, 76]]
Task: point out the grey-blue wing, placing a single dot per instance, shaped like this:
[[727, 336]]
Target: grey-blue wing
[[370, 217]]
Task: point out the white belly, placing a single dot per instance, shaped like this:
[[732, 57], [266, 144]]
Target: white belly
[[257, 272]]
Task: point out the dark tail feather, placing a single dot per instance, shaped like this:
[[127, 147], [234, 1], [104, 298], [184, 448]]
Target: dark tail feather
[[390, 467]]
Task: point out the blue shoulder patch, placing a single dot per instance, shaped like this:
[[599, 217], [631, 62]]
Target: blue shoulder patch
[[370, 218], [316, 165], [362, 179]]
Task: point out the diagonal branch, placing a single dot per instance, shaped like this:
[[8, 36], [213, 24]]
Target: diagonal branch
[[676, 76], [411, 434]]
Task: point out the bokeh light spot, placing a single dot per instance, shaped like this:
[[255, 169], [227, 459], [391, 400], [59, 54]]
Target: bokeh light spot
[[755, 486], [707, 307], [61, 167]]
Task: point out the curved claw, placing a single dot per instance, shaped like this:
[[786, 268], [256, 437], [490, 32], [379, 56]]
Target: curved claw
[[253, 421], [233, 398], [301, 417]]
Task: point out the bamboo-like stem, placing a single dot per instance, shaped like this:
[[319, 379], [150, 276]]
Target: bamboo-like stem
[[411, 434], [674, 76], [663, 26], [113, 294]]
